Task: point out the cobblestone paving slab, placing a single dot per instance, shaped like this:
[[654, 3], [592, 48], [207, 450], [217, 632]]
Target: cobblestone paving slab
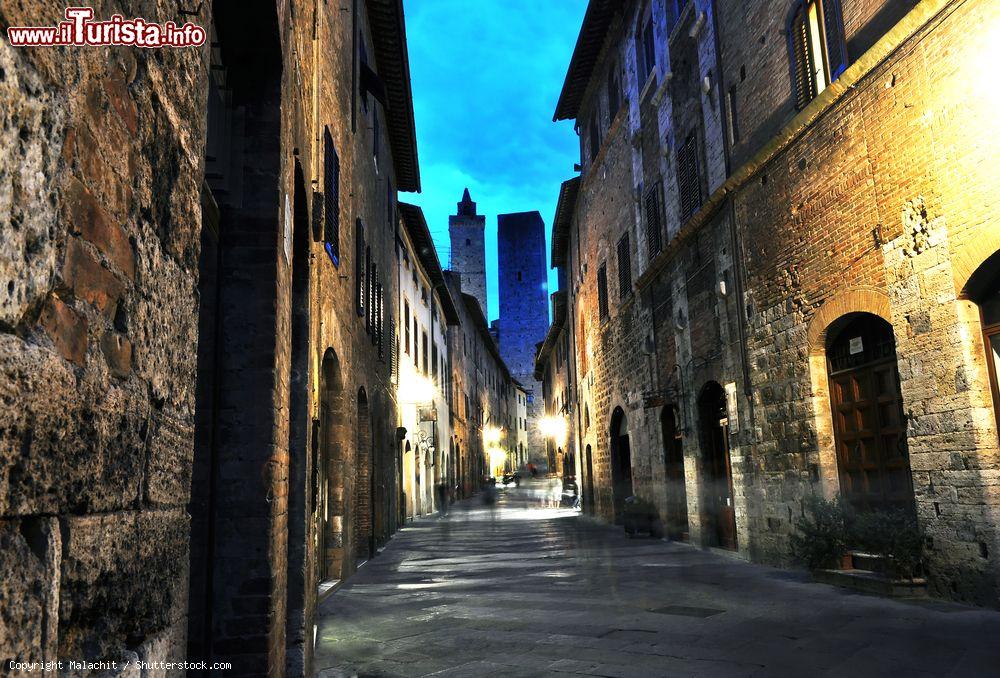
[[523, 591]]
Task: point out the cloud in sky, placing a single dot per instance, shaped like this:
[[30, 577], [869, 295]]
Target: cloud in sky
[[486, 76]]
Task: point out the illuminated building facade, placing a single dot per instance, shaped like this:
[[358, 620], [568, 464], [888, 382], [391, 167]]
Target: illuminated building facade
[[781, 264]]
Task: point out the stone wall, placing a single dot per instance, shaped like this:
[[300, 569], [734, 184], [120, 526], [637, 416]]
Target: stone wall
[[99, 198]]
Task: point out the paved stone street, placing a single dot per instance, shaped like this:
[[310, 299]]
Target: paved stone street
[[528, 590]]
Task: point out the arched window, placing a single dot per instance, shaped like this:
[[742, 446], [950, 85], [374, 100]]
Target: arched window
[[818, 52]]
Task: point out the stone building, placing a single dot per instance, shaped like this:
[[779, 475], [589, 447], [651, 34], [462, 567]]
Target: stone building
[[781, 269], [424, 385], [467, 233], [484, 406], [554, 371], [524, 317], [238, 198]]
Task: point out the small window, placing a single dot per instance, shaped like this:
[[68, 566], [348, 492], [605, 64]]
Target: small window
[[688, 179], [595, 138], [654, 240], [734, 121], [425, 350], [366, 304], [406, 321], [614, 93], [519, 276], [819, 54], [645, 48], [468, 242], [602, 291], [624, 268], [359, 267], [331, 199]]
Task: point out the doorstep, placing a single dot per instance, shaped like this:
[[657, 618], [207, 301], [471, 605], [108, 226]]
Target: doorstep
[[865, 581]]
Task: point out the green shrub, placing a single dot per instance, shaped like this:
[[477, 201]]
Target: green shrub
[[823, 533], [895, 536]]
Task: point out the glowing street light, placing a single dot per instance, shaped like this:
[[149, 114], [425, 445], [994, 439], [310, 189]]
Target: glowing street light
[[554, 427], [416, 389], [491, 436]]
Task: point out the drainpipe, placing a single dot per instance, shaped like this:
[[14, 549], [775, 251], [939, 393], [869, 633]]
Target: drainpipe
[[739, 263]]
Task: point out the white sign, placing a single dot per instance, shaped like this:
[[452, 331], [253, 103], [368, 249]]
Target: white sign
[[857, 346]]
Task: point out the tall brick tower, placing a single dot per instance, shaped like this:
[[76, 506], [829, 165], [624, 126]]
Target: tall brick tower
[[524, 311], [468, 249]]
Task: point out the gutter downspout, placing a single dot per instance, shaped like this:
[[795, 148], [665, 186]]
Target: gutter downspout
[[739, 263]]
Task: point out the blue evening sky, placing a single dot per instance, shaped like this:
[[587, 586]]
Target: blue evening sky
[[486, 76]]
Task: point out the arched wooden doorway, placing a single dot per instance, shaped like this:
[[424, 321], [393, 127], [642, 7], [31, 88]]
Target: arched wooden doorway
[[364, 495], [621, 462], [328, 471], [673, 452], [719, 514], [868, 423], [984, 289]]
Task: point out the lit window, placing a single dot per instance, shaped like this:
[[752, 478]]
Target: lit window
[[818, 50]]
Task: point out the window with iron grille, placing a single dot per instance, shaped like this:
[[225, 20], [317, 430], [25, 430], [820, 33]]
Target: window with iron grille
[[819, 54], [654, 239], [331, 199], [688, 179], [624, 268], [359, 271], [373, 309], [602, 291]]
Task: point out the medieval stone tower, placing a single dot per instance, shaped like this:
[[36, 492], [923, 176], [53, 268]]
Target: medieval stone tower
[[524, 315], [468, 249]]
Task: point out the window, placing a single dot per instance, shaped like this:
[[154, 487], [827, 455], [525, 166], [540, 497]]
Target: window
[[376, 137], [373, 309], [602, 291], [519, 276], [688, 181], [624, 268], [674, 9], [614, 93], [406, 320], [468, 242], [654, 240], [595, 137], [645, 48], [819, 54], [379, 321], [434, 361], [359, 270], [734, 121], [416, 336], [331, 199], [425, 347], [366, 303]]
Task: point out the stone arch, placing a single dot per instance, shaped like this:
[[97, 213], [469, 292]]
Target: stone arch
[[970, 258], [621, 461], [328, 470], [855, 300], [829, 318]]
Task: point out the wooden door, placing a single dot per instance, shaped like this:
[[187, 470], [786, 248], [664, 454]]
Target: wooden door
[[589, 499], [722, 486], [869, 425], [677, 516]]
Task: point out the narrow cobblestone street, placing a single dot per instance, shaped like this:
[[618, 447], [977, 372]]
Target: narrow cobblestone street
[[528, 590]]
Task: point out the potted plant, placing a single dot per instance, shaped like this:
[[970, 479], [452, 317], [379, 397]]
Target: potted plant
[[641, 515], [823, 533], [895, 538]]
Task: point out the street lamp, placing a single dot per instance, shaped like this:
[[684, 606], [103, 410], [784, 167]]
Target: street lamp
[[556, 428]]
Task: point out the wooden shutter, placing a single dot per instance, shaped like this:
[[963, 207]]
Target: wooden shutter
[[331, 199], [654, 241], [367, 290], [602, 291], [833, 27], [804, 85], [624, 268], [688, 181], [359, 263]]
